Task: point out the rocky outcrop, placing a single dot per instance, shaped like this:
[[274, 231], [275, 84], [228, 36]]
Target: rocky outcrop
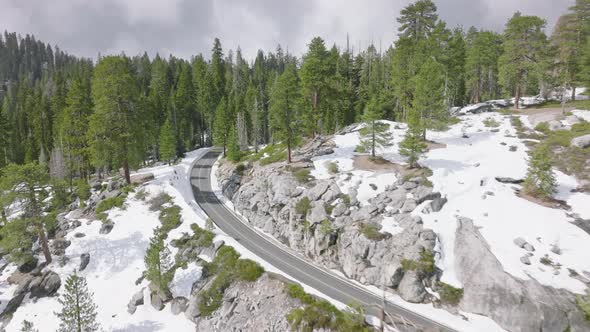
[[333, 232], [136, 300], [581, 141], [251, 306], [84, 260], [516, 305]]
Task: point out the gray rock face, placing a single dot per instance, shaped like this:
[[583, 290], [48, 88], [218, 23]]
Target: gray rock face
[[259, 306], [516, 305], [581, 142], [45, 285], [106, 228], [84, 260], [411, 288], [156, 301], [525, 260], [58, 246], [435, 205], [136, 300], [178, 305], [509, 180], [192, 311], [267, 199]]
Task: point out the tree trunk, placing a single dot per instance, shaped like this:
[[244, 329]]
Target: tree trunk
[[573, 93], [373, 142], [126, 171], [43, 243], [517, 97], [289, 151]]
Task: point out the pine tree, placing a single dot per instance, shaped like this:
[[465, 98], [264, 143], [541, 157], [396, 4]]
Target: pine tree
[[540, 180], [5, 133], [413, 145], [26, 185], [78, 313], [115, 128], [222, 125], [429, 95], [167, 141], [314, 83], [28, 327], [481, 66], [233, 148], [417, 20], [375, 133], [159, 266], [284, 101]]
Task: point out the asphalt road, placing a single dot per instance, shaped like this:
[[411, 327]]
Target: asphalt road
[[291, 264]]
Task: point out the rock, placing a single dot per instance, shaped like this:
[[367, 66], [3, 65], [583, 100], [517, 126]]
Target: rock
[[192, 311], [218, 244], [555, 125], [13, 305], [45, 285], [525, 260], [84, 260], [79, 235], [316, 192], [520, 242], [509, 180], [29, 265], [318, 214], [411, 288], [408, 206], [59, 246], [142, 178], [339, 209], [136, 300], [435, 205], [512, 148], [156, 301], [509, 301], [581, 142], [106, 228], [528, 247], [178, 305]]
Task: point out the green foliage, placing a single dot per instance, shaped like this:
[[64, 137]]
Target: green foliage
[[326, 227], [240, 168], [540, 180], [302, 175], [543, 127], [110, 203], [303, 206], [371, 232], [78, 311], [563, 138], [233, 150], [332, 167], [491, 123], [61, 196], [159, 200], [170, 218], [204, 238], [159, 267], [248, 270], [167, 141], [28, 327], [17, 240], [449, 294], [413, 145], [424, 265], [284, 108], [375, 133], [345, 199], [82, 190], [141, 194], [360, 149], [584, 305]]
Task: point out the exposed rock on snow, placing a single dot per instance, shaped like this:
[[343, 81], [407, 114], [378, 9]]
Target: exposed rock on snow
[[45, 285], [509, 180], [258, 306], [581, 142], [106, 227], [141, 178], [178, 305], [136, 300], [84, 260], [517, 305]]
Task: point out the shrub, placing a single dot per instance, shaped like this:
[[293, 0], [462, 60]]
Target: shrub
[[159, 200], [110, 203], [425, 264], [295, 291], [61, 196], [82, 190], [540, 180], [50, 221], [360, 149], [326, 226], [141, 194], [303, 206], [546, 260], [332, 167], [170, 218], [345, 199], [240, 169], [301, 174], [491, 123], [371, 232], [543, 127], [328, 208], [584, 305], [449, 294], [516, 123], [248, 270], [129, 188]]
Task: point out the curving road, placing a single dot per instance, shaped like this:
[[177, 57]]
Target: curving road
[[304, 272]]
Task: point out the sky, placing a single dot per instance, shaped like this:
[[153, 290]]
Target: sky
[[188, 27]]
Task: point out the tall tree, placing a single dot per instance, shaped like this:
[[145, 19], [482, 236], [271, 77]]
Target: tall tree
[[25, 186], [78, 313], [481, 66], [222, 125], [417, 20], [375, 133], [430, 95], [524, 42], [167, 141], [413, 145], [314, 83], [159, 266], [284, 108], [115, 126]]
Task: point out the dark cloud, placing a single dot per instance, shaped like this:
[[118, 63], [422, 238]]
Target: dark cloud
[[187, 27]]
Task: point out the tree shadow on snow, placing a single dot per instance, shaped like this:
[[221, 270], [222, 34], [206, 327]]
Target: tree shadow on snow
[[145, 326]]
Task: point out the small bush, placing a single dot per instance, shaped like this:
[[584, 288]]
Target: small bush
[[360, 149], [141, 195], [50, 221], [82, 190], [110, 203], [248, 270], [516, 123], [332, 167], [540, 180], [546, 260], [159, 200], [302, 175], [425, 264], [329, 208], [129, 188], [584, 305], [491, 123], [296, 292], [326, 226], [371, 232], [240, 169], [61, 196], [303, 206], [543, 127], [345, 199], [170, 218], [449, 294]]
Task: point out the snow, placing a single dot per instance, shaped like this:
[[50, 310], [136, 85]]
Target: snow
[[582, 114]]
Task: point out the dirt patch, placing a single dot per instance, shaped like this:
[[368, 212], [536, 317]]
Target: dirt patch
[[538, 115], [435, 145], [550, 203], [380, 165]]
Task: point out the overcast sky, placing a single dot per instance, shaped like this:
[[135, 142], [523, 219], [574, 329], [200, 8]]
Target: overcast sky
[[187, 27]]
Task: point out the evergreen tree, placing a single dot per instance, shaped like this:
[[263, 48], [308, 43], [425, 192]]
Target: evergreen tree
[[167, 141], [5, 133], [481, 65], [417, 20], [540, 180], [222, 125], [115, 126], [284, 101], [158, 263], [314, 83], [188, 122], [78, 313], [375, 133], [25, 186], [524, 42], [233, 148], [429, 95], [28, 327], [413, 145]]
